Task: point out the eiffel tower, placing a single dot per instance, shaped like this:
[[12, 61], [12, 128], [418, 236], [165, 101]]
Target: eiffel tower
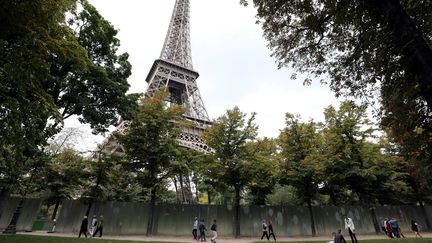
[[174, 71]]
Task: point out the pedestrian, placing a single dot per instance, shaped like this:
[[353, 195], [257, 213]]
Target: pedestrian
[[415, 228], [54, 223], [213, 228], [99, 227], [202, 229], [383, 226], [332, 238], [270, 230], [83, 228], [389, 229], [264, 229], [339, 237], [195, 228], [395, 227], [349, 225], [93, 225]]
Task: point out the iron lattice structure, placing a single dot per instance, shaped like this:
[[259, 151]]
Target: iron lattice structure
[[174, 71]]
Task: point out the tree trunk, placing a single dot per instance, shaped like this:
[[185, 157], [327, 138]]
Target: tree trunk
[[176, 190], [374, 220], [209, 199], [152, 208], [57, 204], [409, 39], [196, 191], [182, 188], [309, 203], [89, 207], [237, 213]]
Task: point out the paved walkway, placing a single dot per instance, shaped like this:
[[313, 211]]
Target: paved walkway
[[220, 239]]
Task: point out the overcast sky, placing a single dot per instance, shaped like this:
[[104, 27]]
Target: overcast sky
[[228, 51]]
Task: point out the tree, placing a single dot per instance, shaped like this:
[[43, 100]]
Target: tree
[[182, 167], [356, 170], [58, 60], [62, 178], [345, 132], [229, 136], [103, 173], [357, 42], [351, 158], [150, 143], [299, 166], [263, 169], [361, 48]]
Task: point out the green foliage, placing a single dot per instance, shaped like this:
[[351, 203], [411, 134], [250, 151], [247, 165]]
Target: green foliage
[[57, 60], [263, 169], [283, 196], [150, 141], [298, 142], [354, 168], [63, 177], [103, 175], [364, 49], [229, 137], [356, 43]]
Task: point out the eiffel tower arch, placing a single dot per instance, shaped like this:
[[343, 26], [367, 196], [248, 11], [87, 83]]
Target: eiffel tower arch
[[173, 70]]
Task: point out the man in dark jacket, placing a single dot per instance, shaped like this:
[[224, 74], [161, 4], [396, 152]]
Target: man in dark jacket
[[99, 227], [202, 229], [83, 228], [339, 237]]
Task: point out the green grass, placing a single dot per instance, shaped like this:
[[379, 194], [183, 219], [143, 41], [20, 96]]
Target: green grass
[[51, 239], [405, 240]]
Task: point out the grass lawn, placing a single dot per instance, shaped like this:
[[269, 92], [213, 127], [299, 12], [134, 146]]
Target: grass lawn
[[51, 239], [405, 240]]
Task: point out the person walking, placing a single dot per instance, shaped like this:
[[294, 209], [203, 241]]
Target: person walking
[[202, 229], [395, 227], [389, 229], [84, 227], [93, 225], [99, 227], [270, 230], [339, 237], [195, 228], [415, 228], [54, 223], [349, 225], [264, 230], [213, 228], [383, 226]]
